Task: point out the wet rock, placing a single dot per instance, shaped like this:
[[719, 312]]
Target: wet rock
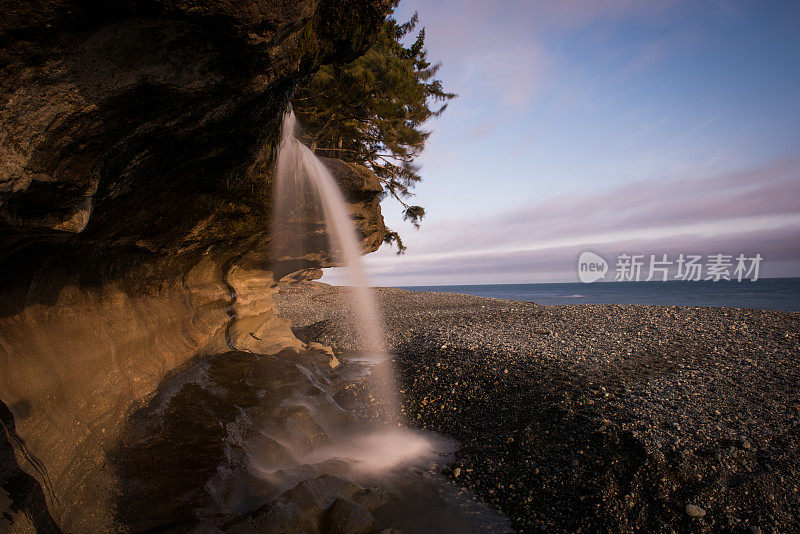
[[320, 347], [320, 491], [277, 517], [347, 517], [323, 351], [325, 503], [370, 498]]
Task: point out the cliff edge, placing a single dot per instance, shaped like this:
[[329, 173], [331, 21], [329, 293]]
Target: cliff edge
[[137, 140]]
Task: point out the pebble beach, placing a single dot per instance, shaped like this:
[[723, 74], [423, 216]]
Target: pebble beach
[[589, 418]]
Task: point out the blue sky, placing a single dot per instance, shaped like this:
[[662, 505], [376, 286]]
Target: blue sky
[[657, 126]]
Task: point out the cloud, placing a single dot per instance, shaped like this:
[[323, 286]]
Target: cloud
[[770, 191], [779, 247], [751, 211], [503, 47]]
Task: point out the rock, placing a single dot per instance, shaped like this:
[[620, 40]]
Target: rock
[[276, 517], [347, 517], [695, 511], [370, 498], [205, 528], [321, 504], [754, 529], [304, 275], [98, 172], [362, 189], [137, 145], [320, 491], [320, 347], [456, 472], [333, 362]]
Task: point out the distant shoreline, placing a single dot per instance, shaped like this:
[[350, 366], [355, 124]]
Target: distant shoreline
[[598, 282], [779, 294]]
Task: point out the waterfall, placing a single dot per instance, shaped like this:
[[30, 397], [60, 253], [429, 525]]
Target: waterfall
[[301, 176]]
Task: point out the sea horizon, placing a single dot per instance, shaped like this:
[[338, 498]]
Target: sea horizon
[[781, 294]]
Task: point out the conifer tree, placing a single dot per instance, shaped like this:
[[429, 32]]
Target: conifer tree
[[372, 110]]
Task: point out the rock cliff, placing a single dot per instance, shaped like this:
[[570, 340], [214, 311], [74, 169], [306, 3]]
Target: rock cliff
[[137, 140]]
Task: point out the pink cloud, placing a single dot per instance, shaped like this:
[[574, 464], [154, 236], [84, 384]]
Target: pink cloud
[[768, 191], [779, 247]]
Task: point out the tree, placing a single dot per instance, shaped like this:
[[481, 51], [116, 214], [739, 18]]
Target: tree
[[371, 111]]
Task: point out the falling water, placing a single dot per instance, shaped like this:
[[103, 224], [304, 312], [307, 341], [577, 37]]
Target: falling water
[[300, 175]]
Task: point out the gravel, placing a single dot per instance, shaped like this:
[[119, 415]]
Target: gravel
[[593, 417]]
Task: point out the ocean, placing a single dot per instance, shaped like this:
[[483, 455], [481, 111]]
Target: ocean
[[769, 293]]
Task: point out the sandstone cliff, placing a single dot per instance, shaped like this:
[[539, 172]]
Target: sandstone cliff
[[136, 144]]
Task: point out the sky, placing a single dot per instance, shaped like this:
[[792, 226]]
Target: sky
[[616, 126]]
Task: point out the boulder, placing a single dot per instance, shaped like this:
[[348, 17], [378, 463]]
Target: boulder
[[347, 517]]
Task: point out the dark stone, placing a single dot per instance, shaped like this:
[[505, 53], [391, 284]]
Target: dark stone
[[370, 498], [154, 125], [347, 517], [276, 517]]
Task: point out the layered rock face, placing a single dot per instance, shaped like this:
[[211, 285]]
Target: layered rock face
[[136, 146], [111, 118]]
